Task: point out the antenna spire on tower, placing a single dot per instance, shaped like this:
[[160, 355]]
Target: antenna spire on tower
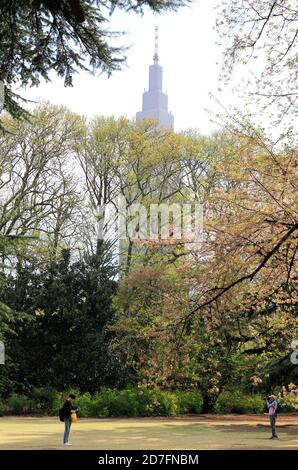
[[156, 57]]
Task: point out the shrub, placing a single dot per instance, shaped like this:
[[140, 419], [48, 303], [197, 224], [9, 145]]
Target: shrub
[[3, 409], [84, 402], [19, 404], [120, 402], [58, 402], [99, 406], [238, 402], [44, 398], [145, 399], [135, 402], [164, 404], [190, 402], [289, 403]]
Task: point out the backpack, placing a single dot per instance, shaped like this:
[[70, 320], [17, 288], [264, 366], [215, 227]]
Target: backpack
[[61, 415], [279, 408]]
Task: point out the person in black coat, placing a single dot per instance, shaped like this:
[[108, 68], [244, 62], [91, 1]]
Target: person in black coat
[[67, 409]]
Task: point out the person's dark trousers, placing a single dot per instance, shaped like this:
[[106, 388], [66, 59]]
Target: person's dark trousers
[[272, 424], [67, 424]]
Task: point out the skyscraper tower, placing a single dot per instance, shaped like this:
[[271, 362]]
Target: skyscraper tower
[[155, 102]]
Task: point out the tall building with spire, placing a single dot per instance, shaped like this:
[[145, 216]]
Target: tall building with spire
[[155, 102]]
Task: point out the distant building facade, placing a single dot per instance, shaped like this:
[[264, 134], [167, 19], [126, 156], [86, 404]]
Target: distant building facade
[[155, 102]]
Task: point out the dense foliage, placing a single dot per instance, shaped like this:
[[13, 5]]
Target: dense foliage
[[58, 335], [82, 310]]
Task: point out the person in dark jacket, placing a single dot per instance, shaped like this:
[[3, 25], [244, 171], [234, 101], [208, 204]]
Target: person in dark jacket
[[67, 409]]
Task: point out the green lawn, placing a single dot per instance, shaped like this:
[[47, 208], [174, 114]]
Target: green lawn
[[194, 432]]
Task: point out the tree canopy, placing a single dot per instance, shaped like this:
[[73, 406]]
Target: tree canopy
[[158, 312], [264, 31]]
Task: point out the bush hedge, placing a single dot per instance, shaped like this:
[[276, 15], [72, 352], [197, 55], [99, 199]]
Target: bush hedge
[[133, 402], [130, 402], [239, 403], [136, 402], [190, 402]]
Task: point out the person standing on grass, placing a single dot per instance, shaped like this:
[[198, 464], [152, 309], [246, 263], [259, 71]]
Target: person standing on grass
[[272, 410], [66, 411]]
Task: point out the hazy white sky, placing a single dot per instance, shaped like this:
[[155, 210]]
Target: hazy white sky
[[187, 53]]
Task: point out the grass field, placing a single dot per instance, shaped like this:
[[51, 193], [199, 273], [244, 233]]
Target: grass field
[[191, 432]]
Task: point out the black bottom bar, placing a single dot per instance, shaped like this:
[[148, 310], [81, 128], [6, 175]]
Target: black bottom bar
[[133, 459]]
